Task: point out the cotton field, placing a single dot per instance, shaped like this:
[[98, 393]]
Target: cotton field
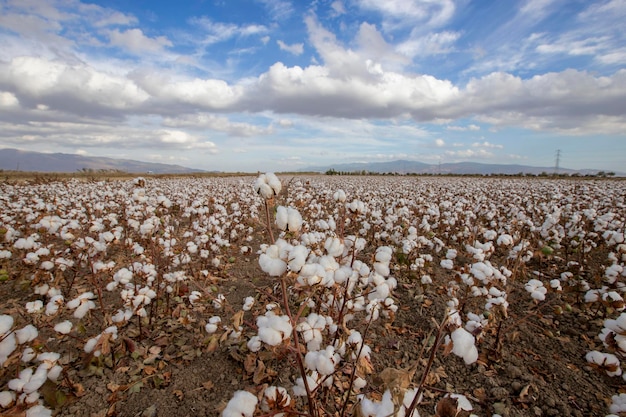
[[100, 279]]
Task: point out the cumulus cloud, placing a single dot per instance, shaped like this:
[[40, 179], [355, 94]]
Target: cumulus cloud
[[217, 123], [487, 144], [469, 154], [135, 41], [296, 48]]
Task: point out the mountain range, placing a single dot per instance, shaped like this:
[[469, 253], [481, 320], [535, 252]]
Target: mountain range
[[459, 168], [16, 160]]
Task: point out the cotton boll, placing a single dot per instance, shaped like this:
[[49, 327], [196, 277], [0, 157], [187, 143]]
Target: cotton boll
[[28, 355], [536, 289], [294, 220], [248, 302], [340, 196], [38, 411], [36, 381], [281, 217], [334, 247], [271, 263], [297, 257], [64, 327], [7, 346], [243, 404], [6, 323], [447, 264], [254, 344], [26, 334], [273, 329], [275, 398], [6, 398], [463, 345]]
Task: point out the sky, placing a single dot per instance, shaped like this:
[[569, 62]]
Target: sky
[[282, 85]]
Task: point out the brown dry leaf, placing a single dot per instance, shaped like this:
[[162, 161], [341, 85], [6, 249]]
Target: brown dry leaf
[[480, 394], [113, 387], [427, 303], [214, 343], [525, 393], [238, 319], [436, 375], [78, 390], [446, 407], [262, 373], [249, 363], [149, 370], [179, 394], [364, 366], [447, 349], [208, 385]]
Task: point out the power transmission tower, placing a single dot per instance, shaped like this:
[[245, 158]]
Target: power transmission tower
[[558, 161]]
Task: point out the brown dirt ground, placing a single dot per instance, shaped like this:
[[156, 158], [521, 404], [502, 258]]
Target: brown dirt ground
[[539, 371]]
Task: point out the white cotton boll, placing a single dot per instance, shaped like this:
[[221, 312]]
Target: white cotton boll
[[254, 344], [294, 220], [194, 296], [275, 397], [592, 296], [6, 398], [91, 344], [536, 289], [28, 355], [55, 372], [505, 240], [334, 247], [46, 265], [381, 268], [618, 404], [243, 404], [383, 254], [340, 196], [7, 346], [297, 257], [33, 307], [447, 263], [273, 181], [556, 284], [26, 334], [451, 254], [84, 308], [281, 217], [312, 381], [463, 345], [64, 327], [273, 329], [36, 381], [248, 302], [38, 411], [426, 280]]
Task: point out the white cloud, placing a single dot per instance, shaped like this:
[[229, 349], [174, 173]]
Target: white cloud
[[295, 49], [486, 144], [469, 154], [216, 32], [8, 100], [411, 12], [440, 143], [470, 127], [135, 41], [220, 124]]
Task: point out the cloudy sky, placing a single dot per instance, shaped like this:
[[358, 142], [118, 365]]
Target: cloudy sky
[[277, 85]]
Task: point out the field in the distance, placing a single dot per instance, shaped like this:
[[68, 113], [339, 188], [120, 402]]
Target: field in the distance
[[166, 296]]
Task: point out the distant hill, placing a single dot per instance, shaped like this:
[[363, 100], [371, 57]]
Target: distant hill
[[460, 168], [16, 160]]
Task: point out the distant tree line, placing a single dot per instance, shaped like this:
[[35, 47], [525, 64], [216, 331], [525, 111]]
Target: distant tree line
[[599, 174]]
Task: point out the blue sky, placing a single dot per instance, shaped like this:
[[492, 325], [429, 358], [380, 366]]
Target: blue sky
[[277, 85]]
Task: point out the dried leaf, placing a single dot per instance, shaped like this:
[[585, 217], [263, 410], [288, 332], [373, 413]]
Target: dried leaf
[[446, 407], [208, 385], [149, 370], [238, 319], [179, 394]]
